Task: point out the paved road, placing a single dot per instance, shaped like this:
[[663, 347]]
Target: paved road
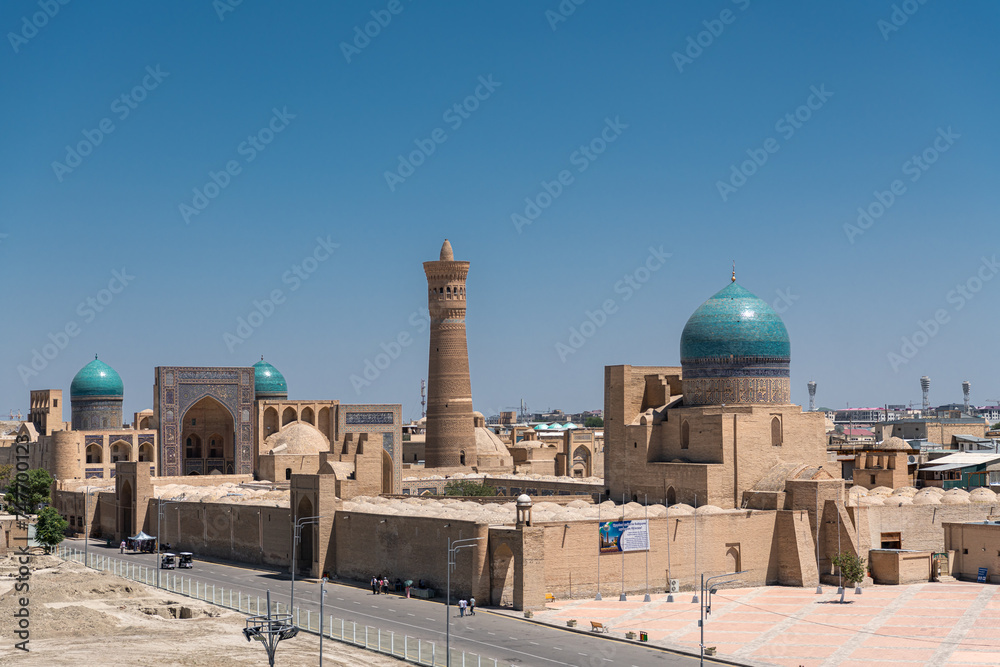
[[511, 641]]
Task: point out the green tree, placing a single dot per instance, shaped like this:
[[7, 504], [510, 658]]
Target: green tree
[[852, 569], [468, 487], [50, 529], [996, 426], [5, 472], [26, 496], [594, 422]]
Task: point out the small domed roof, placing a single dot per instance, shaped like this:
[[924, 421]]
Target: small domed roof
[[297, 438], [447, 254], [734, 323], [524, 499], [97, 379], [894, 444], [267, 380]]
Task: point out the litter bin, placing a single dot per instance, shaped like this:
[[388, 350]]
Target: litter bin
[[643, 636]]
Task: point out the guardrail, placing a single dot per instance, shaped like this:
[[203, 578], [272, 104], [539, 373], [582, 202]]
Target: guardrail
[[411, 649]]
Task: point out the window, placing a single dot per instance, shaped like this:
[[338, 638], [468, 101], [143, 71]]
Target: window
[[55, 402], [685, 435], [873, 479], [775, 431], [892, 541], [288, 473], [193, 421]]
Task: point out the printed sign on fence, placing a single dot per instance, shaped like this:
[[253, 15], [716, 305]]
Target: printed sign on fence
[[618, 536]]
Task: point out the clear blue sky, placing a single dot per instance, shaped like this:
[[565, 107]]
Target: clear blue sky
[[552, 86]]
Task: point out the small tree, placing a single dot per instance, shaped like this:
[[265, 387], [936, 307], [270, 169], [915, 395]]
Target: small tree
[[468, 487], [50, 529], [25, 496], [593, 422], [852, 568]]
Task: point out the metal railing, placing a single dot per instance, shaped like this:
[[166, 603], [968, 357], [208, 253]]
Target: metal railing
[[372, 638]]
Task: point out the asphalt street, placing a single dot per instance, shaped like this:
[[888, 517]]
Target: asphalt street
[[511, 641]]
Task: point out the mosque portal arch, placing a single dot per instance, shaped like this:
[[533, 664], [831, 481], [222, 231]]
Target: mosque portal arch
[[209, 429]]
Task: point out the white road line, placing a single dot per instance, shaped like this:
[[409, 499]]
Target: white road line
[[341, 599], [557, 648], [534, 643], [428, 619], [491, 633], [409, 614]]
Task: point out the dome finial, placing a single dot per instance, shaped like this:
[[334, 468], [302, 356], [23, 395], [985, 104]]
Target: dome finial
[[447, 254], [734, 270]]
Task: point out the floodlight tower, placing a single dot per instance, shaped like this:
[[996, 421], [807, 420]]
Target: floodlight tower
[[925, 386], [812, 396], [966, 388]]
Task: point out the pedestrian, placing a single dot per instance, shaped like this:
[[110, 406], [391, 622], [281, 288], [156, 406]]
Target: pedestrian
[[374, 586], [472, 606], [461, 607], [121, 547]]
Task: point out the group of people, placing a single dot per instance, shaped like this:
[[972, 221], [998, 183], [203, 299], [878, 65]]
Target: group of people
[[467, 606], [139, 546], [380, 585]]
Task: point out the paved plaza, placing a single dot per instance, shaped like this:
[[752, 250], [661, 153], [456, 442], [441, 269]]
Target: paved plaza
[[899, 626]]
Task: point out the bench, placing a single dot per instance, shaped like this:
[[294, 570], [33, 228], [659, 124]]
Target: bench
[[597, 627]]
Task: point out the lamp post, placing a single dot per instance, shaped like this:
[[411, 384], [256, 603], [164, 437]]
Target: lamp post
[[599, 545], [695, 599], [322, 597], [645, 499], [453, 548], [622, 597], [296, 537], [708, 603]]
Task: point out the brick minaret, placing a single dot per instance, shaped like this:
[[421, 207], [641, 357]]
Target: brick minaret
[[451, 440]]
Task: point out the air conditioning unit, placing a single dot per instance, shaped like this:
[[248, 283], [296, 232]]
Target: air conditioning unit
[[675, 586], [911, 459]]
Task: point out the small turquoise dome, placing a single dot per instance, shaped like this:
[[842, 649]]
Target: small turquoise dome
[[734, 323], [268, 381], [97, 379]]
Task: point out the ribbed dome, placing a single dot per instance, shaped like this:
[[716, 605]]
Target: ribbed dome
[[97, 379], [268, 381], [734, 323]]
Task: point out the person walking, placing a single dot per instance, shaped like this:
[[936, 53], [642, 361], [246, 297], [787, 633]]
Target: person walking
[[374, 586], [121, 547], [472, 606], [461, 607]]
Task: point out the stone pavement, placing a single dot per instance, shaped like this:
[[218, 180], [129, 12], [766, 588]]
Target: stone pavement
[[946, 624]]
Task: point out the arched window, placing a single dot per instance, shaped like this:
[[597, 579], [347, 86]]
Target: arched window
[[193, 447], [461, 457], [120, 451], [94, 454], [776, 431], [146, 452], [685, 435]]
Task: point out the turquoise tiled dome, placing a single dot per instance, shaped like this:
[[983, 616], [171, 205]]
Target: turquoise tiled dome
[[268, 381], [734, 323], [96, 379]]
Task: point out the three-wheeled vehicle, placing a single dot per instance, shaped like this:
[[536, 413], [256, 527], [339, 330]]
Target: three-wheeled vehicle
[[186, 560], [168, 561]]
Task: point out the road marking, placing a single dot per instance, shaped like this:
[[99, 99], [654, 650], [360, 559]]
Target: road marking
[[341, 599], [428, 619], [534, 643], [514, 638], [409, 614], [583, 654], [393, 611], [491, 633], [557, 648], [374, 606]]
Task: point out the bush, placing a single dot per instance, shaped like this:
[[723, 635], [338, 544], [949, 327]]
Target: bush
[[594, 422], [852, 568], [461, 487]]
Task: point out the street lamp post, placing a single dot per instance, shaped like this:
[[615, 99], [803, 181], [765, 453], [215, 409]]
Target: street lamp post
[[598, 598], [453, 548], [645, 500], [708, 604], [296, 537], [322, 597]]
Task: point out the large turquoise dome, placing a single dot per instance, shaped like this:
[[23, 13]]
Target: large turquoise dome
[[734, 323], [97, 379], [268, 381], [735, 350]]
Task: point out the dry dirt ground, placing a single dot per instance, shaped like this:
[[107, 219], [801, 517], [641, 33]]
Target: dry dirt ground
[[84, 617]]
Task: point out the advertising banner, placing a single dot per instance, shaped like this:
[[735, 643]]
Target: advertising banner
[[618, 536]]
